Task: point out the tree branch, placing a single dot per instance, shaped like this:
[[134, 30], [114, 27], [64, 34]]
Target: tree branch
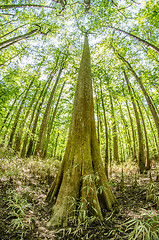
[[23, 6], [137, 38]]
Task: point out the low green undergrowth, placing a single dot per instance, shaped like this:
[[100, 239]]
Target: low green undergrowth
[[146, 228], [20, 213]]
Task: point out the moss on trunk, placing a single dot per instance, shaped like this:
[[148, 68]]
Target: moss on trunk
[[81, 187]]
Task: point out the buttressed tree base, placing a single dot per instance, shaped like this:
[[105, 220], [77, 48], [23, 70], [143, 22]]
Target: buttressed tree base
[[81, 187]]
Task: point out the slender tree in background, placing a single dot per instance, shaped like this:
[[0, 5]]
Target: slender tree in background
[[147, 164], [133, 131], [52, 121], [14, 40], [23, 122], [45, 120], [128, 137], [106, 134], [152, 46], [152, 130], [141, 155], [10, 110], [76, 189], [147, 97], [55, 146], [43, 95], [114, 131], [18, 115], [98, 118]]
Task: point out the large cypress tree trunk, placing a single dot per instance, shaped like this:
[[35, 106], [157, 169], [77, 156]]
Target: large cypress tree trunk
[[81, 187]]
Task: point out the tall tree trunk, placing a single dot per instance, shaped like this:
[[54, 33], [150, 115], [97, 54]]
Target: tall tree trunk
[[152, 130], [110, 148], [114, 129], [81, 187], [10, 110], [22, 124], [5, 135], [152, 46], [148, 164], [45, 119], [127, 133], [148, 99], [46, 86], [51, 122], [98, 120], [18, 115], [141, 156], [9, 6], [55, 146], [13, 40], [106, 135], [133, 131], [23, 151], [26, 137]]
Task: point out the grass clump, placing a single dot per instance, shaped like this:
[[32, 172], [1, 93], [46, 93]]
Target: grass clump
[[146, 228], [18, 213]]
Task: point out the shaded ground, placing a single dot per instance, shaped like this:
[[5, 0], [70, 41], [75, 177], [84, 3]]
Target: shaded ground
[[24, 212]]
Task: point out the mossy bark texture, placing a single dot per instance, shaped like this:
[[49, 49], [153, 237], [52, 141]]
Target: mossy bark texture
[[81, 187]]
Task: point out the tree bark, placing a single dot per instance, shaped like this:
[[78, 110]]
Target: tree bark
[[13, 40], [81, 187], [9, 6]]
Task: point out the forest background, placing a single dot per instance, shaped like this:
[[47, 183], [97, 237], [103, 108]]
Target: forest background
[[41, 47]]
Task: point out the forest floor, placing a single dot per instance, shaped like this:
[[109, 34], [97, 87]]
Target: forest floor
[[24, 212]]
